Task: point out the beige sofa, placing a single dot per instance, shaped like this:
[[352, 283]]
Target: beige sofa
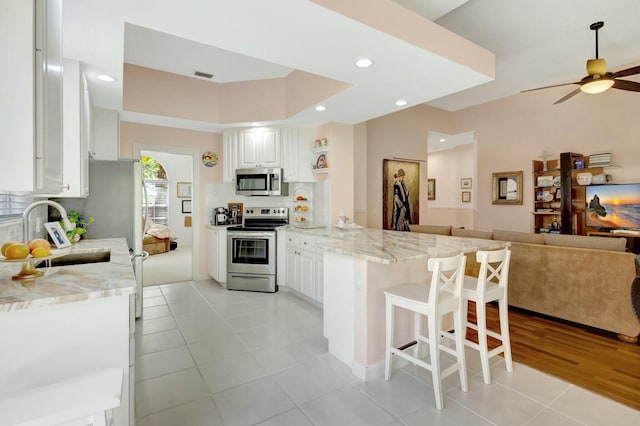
[[587, 280]]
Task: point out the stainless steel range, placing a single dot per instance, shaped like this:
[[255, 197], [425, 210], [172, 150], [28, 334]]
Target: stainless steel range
[[251, 249]]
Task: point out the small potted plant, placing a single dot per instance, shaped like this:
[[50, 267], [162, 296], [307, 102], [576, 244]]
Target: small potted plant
[[79, 224]]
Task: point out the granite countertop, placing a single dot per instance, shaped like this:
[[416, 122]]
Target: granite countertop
[[73, 283], [384, 246]]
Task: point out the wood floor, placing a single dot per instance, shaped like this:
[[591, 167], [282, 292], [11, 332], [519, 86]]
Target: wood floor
[[592, 359]]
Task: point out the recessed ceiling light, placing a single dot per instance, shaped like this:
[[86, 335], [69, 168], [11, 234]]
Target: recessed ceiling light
[[321, 108], [105, 77], [363, 62], [443, 140], [401, 102]]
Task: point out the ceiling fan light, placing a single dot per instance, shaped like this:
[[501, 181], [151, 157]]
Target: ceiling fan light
[[597, 85]]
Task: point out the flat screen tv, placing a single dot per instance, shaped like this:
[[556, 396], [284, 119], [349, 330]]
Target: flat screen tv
[[613, 206]]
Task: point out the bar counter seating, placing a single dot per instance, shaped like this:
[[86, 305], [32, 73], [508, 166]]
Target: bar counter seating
[[585, 280]]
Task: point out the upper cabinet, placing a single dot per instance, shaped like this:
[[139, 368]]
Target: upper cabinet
[[229, 147], [259, 147], [31, 95], [288, 147], [76, 119], [106, 134], [297, 153]]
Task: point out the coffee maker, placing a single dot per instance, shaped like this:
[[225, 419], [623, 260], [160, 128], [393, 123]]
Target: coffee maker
[[220, 216]]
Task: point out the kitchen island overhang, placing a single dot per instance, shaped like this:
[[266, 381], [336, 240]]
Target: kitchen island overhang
[[358, 267]]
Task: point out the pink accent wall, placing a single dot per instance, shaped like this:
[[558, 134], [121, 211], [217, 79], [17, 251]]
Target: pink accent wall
[[341, 159], [513, 131], [510, 133], [143, 134], [402, 134], [161, 93]]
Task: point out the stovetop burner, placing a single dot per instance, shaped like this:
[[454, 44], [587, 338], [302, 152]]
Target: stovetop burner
[[263, 219]]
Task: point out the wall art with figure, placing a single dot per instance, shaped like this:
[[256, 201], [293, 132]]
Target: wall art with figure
[[400, 194]]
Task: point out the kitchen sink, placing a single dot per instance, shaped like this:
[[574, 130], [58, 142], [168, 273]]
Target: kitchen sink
[[78, 258]]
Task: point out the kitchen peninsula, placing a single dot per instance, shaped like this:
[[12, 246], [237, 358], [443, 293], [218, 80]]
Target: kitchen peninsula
[[358, 266], [74, 321]]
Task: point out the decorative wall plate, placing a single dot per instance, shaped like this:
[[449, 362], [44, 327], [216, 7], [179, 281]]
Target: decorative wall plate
[[209, 159]]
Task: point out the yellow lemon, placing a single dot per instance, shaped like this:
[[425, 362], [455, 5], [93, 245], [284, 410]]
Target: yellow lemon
[[17, 251], [40, 252], [7, 244], [39, 242]]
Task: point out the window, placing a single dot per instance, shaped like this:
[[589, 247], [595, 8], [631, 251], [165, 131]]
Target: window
[[12, 204], [157, 186]]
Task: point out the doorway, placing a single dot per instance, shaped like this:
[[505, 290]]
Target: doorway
[[173, 202]]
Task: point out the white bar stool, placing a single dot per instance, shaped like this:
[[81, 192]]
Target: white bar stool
[[86, 400], [491, 285], [434, 300]]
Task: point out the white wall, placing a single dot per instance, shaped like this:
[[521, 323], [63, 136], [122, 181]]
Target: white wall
[[179, 169], [448, 167]]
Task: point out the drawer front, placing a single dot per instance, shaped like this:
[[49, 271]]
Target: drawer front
[[307, 242]]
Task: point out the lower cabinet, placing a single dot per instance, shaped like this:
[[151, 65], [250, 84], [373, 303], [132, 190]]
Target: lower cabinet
[[303, 265], [217, 254]]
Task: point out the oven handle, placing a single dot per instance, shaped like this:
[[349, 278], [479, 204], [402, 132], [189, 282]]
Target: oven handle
[[251, 234]]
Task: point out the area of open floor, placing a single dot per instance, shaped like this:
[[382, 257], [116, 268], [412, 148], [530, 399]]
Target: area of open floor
[[206, 355]]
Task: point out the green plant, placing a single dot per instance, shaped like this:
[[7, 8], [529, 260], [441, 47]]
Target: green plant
[[80, 225]]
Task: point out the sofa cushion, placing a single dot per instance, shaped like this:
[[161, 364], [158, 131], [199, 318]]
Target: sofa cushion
[[581, 241], [517, 237], [431, 229], [470, 233]]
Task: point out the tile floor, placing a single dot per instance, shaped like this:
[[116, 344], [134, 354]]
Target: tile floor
[[209, 356]]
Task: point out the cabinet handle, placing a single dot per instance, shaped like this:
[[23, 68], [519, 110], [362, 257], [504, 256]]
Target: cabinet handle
[[67, 187]]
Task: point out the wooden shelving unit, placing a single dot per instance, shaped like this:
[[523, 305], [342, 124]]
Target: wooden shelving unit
[[563, 200]]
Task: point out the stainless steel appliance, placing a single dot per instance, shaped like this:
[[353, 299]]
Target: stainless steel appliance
[[220, 216], [261, 181], [251, 249]]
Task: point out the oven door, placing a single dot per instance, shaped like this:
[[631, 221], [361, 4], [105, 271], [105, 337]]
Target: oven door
[[251, 252]]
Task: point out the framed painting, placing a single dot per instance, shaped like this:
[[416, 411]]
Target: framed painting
[[507, 188], [466, 196], [431, 189], [183, 190], [400, 194], [465, 183]]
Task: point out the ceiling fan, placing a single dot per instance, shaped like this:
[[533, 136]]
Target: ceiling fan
[[598, 79]]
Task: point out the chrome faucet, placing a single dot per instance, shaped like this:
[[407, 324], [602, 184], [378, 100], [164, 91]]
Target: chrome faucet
[[25, 217]]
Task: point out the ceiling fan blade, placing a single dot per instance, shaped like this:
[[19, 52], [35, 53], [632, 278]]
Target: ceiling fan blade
[[570, 95], [548, 87], [628, 71], [631, 86]]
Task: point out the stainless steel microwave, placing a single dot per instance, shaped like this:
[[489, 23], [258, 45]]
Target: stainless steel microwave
[[261, 181]]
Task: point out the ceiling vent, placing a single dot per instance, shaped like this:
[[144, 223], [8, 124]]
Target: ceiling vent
[[203, 74]]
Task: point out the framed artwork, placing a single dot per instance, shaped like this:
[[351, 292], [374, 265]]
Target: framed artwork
[[465, 183], [507, 188], [56, 233], [400, 194], [184, 190], [186, 206], [431, 189], [466, 196]]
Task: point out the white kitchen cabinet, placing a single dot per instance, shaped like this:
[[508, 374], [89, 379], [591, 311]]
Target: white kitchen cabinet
[[229, 155], [106, 134], [77, 133], [301, 265], [31, 95], [217, 254], [50, 344], [259, 147], [297, 153]]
